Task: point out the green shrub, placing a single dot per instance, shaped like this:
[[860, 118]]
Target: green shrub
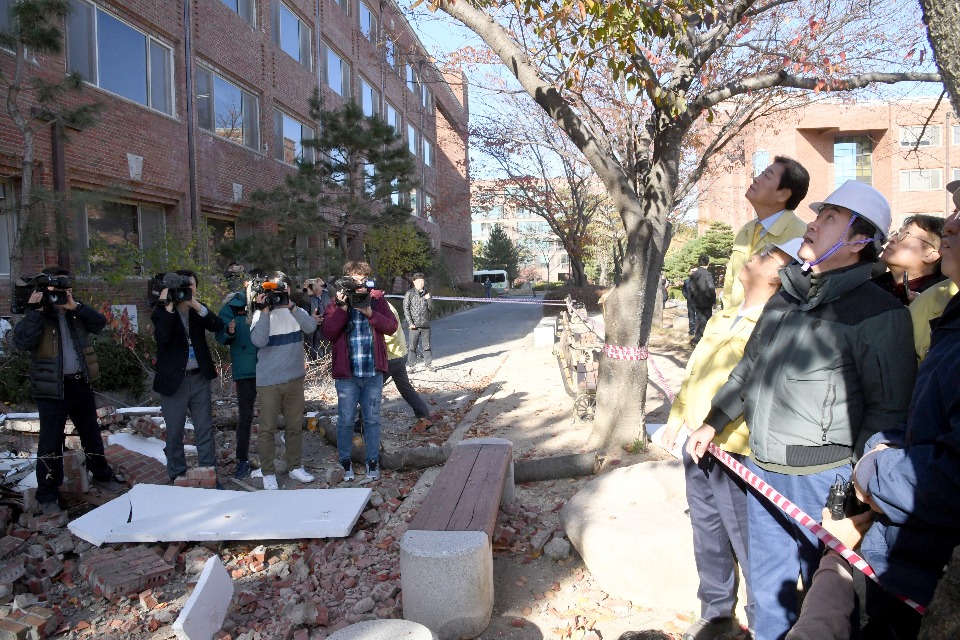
[[589, 296], [14, 376], [120, 367]]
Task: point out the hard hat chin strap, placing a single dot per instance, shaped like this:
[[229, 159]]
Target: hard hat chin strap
[[840, 243]]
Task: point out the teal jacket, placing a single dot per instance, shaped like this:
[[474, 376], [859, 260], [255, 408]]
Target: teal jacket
[[242, 352]]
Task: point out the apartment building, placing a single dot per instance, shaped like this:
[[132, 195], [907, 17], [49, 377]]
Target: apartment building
[[907, 149], [206, 101]]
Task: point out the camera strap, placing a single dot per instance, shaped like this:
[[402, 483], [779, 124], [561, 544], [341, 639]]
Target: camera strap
[[798, 515]]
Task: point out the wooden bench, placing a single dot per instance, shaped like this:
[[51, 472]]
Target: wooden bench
[[446, 554]]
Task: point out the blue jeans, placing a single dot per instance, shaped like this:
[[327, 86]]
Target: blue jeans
[[780, 550], [367, 392]]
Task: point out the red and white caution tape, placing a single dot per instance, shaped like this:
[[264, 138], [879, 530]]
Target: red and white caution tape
[[799, 516], [558, 303], [626, 353]]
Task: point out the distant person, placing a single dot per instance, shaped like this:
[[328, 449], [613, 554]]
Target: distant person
[[913, 255], [703, 291], [691, 310], [487, 287], [243, 366], [773, 194], [59, 338], [418, 310], [317, 298]]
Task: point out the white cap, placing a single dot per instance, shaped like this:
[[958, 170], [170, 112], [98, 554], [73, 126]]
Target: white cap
[[791, 248], [863, 200]]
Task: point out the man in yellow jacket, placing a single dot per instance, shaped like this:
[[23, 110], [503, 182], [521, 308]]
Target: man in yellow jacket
[[774, 194], [717, 499]]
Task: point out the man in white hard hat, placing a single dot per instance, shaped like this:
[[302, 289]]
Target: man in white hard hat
[[830, 363]]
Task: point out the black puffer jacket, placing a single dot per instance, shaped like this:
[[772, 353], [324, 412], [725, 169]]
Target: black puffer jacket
[[417, 309], [39, 333]]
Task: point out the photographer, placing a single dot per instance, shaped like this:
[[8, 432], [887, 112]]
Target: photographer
[[243, 357], [57, 331], [278, 329], [417, 309], [184, 369], [355, 323], [317, 300]]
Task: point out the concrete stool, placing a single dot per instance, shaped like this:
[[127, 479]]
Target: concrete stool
[[509, 488], [447, 581], [384, 630]]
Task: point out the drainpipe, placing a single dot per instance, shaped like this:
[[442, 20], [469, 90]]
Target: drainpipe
[[191, 125], [59, 170]]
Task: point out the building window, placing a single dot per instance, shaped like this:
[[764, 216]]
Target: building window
[[427, 99], [118, 58], [852, 160], [415, 202], [390, 52], [368, 23], [220, 230], [393, 118], [761, 160], [338, 73], [8, 226], [227, 110], [413, 79], [369, 99], [427, 152], [920, 180], [291, 33], [343, 4], [288, 137], [369, 178], [412, 140], [428, 206], [245, 9], [113, 225], [930, 136], [395, 194]]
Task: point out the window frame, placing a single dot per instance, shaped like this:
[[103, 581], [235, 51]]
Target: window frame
[[426, 156], [256, 141], [387, 108], [428, 204], [412, 80], [278, 153], [390, 52], [364, 86], [251, 4], [343, 4], [413, 140], [84, 266], [345, 92], [938, 172], [305, 43], [149, 42], [374, 34], [914, 131]]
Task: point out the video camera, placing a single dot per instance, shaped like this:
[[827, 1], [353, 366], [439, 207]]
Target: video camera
[[177, 286], [24, 288], [274, 289], [350, 286], [842, 500]]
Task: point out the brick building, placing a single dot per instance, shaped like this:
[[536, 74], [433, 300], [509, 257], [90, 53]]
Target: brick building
[[868, 141], [206, 102]]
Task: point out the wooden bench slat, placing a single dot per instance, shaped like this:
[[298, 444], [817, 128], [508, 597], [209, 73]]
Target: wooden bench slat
[[480, 502], [466, 494]]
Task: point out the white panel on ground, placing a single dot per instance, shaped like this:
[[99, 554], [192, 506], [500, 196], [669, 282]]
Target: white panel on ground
[[138, 411], [203, 614], [150, 447], [164, 513], [655, 431]]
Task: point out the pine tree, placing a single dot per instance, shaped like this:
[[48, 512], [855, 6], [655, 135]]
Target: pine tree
[[500, 252]]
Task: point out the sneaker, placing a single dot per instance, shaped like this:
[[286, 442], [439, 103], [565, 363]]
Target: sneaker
[[113, 484], [270, 482], [347, 470], [300, 475], [243, 470], [707, 630], [51, 508], [373, 470]]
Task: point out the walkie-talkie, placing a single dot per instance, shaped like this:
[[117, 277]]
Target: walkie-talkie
[[842, 500]]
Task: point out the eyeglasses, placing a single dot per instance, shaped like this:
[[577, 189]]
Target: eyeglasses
[[900, 235], [770, 250]]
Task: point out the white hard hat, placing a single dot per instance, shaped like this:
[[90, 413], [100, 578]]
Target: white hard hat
[[791, 248], [863, 200]]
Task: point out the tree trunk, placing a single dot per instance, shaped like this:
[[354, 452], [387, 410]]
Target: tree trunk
[[942, 19], [26, 178], [576, 271]]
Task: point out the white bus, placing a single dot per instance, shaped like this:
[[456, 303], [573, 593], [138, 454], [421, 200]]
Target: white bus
[[497, 277]]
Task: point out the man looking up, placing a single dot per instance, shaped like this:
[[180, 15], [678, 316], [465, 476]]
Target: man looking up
[[830, 363], [914, 252], [417, 309], [773, 194]]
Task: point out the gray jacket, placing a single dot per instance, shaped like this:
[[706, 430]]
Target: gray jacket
[[825, 369]]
